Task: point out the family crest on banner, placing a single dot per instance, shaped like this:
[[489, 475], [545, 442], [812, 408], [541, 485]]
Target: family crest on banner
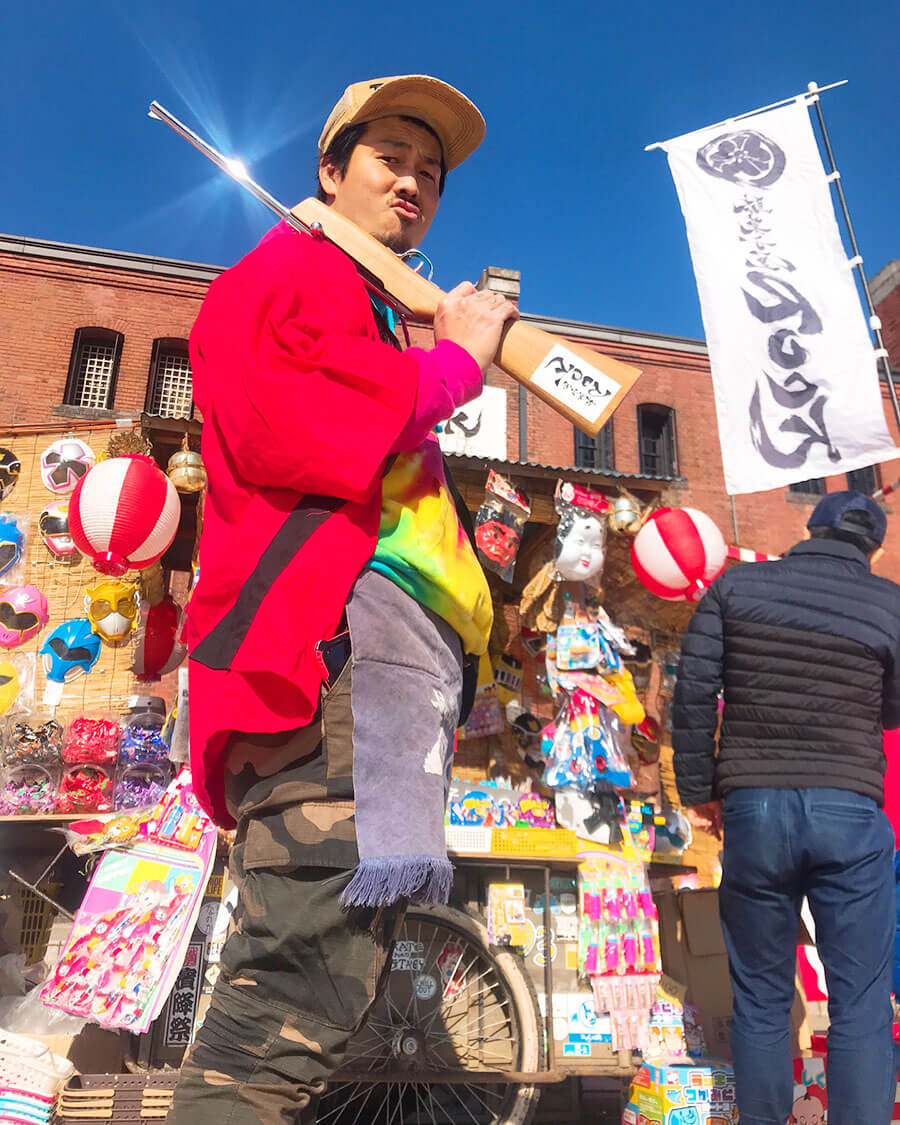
[[793, 366]]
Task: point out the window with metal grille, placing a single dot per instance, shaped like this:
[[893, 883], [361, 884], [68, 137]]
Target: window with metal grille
[[863, 480], [813, 487], [169, 390], [595, 453], [93, 368], [656, 440]]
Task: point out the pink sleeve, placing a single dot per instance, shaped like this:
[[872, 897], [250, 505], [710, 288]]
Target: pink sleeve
[[448, 378]]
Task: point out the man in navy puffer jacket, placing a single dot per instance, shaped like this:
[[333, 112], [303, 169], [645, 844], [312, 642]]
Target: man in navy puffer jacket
[[807, 652]]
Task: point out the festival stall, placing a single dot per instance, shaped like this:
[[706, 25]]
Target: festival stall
[[570, 949]]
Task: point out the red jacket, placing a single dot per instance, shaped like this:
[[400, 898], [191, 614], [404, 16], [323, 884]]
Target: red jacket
[[302, 404]]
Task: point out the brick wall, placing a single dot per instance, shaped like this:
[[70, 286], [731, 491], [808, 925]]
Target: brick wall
[[47, 298], [45, 301]]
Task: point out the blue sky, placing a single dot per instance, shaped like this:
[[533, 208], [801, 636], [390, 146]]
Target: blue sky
[[561, 189]]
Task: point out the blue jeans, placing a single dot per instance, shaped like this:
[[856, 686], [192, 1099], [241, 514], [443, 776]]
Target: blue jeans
[[836, 848]]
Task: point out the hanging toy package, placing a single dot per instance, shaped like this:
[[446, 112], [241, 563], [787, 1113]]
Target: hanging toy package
[[499, 523], [586, 747]]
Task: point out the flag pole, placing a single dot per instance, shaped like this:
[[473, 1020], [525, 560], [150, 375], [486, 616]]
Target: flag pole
[[874, 320]]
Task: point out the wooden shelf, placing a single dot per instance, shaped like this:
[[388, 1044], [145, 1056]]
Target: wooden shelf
[[47, 818]]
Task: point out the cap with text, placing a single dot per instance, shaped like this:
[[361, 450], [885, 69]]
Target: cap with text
[[455, 119]]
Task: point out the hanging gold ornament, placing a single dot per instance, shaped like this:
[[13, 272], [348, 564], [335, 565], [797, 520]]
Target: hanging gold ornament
[[625, 514], [153, 584], [186, 470]]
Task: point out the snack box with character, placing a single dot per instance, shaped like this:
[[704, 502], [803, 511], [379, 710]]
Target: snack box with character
[[682, 1092]]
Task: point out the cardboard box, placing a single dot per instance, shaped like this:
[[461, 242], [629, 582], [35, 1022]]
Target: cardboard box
[[693, 953], [682, 1092]]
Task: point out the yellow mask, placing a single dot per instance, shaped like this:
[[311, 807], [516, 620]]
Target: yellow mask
[[9, 686], [112, 608]]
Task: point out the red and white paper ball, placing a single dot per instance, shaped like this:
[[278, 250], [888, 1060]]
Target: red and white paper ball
[[124, 514], [678, 553], [158, 648]]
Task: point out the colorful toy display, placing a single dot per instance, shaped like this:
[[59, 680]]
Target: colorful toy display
[[53, 525], [65, 462], [678, 553], [23, 613], [10, 468], [70, 651], [112, 607], [124, 514]]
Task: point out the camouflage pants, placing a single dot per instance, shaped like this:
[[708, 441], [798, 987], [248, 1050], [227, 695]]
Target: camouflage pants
[[299, 972]]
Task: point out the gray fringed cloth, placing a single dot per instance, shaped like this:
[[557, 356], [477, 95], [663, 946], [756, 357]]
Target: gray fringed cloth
[[406, 690]]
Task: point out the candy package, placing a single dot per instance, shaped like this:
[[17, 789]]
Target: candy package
[[143, 741], [140, 786], [178, 820], [92, 741], [33, 744], [85, 788], [28, 790], [499, 523]]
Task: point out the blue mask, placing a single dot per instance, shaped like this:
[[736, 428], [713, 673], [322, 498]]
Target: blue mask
[[12, 543], [70, 651]]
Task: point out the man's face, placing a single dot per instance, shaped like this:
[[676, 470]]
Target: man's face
[[390, 188]]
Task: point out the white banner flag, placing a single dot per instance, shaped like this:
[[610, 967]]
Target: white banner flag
[[793, 365]]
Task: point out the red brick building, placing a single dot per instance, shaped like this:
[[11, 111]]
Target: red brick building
[[88, 333]]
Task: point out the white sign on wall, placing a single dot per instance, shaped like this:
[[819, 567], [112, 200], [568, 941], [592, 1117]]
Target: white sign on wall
[[478, 429]]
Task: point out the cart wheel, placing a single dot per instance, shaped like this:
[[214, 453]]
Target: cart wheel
[[451, 1004]]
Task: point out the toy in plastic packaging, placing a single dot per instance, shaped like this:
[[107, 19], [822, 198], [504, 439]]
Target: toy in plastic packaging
[[586, 747], [65, 462], [94, 835], [112, 607], [507, 677], [138, 787], [535, 811], [85, 789], [507, 925], [485, 718], [37, 744], [580, 547], [499, 523], [178, 820], [527, 730], [143, 740], [28, 791], [10, 468], [23, 613], [12, 547], [92, 741]]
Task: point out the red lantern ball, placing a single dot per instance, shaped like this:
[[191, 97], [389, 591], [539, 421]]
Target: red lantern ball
[[124, 514], [678, 553], [159, 648]]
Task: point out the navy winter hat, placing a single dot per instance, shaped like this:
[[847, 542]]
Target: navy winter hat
[[831, 510]]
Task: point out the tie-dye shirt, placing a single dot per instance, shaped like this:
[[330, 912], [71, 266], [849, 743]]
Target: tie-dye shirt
[[424, 549]]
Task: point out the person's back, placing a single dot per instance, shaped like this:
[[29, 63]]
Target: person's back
[[806, 652]]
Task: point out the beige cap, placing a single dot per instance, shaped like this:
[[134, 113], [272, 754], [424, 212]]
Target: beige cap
[[452, 116]]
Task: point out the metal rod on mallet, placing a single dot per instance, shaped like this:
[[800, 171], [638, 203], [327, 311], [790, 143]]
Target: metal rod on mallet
[[237, 172]]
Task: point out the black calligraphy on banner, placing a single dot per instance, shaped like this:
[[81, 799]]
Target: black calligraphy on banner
[[181, 1008], [755, 162]]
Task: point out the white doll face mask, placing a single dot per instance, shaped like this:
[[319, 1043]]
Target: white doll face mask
[[581, 551]]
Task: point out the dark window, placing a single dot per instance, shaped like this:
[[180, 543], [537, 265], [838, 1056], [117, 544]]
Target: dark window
[[814, 487], [595, 453], [169, 388], [863, 480], [656, 438], [93, 368]]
